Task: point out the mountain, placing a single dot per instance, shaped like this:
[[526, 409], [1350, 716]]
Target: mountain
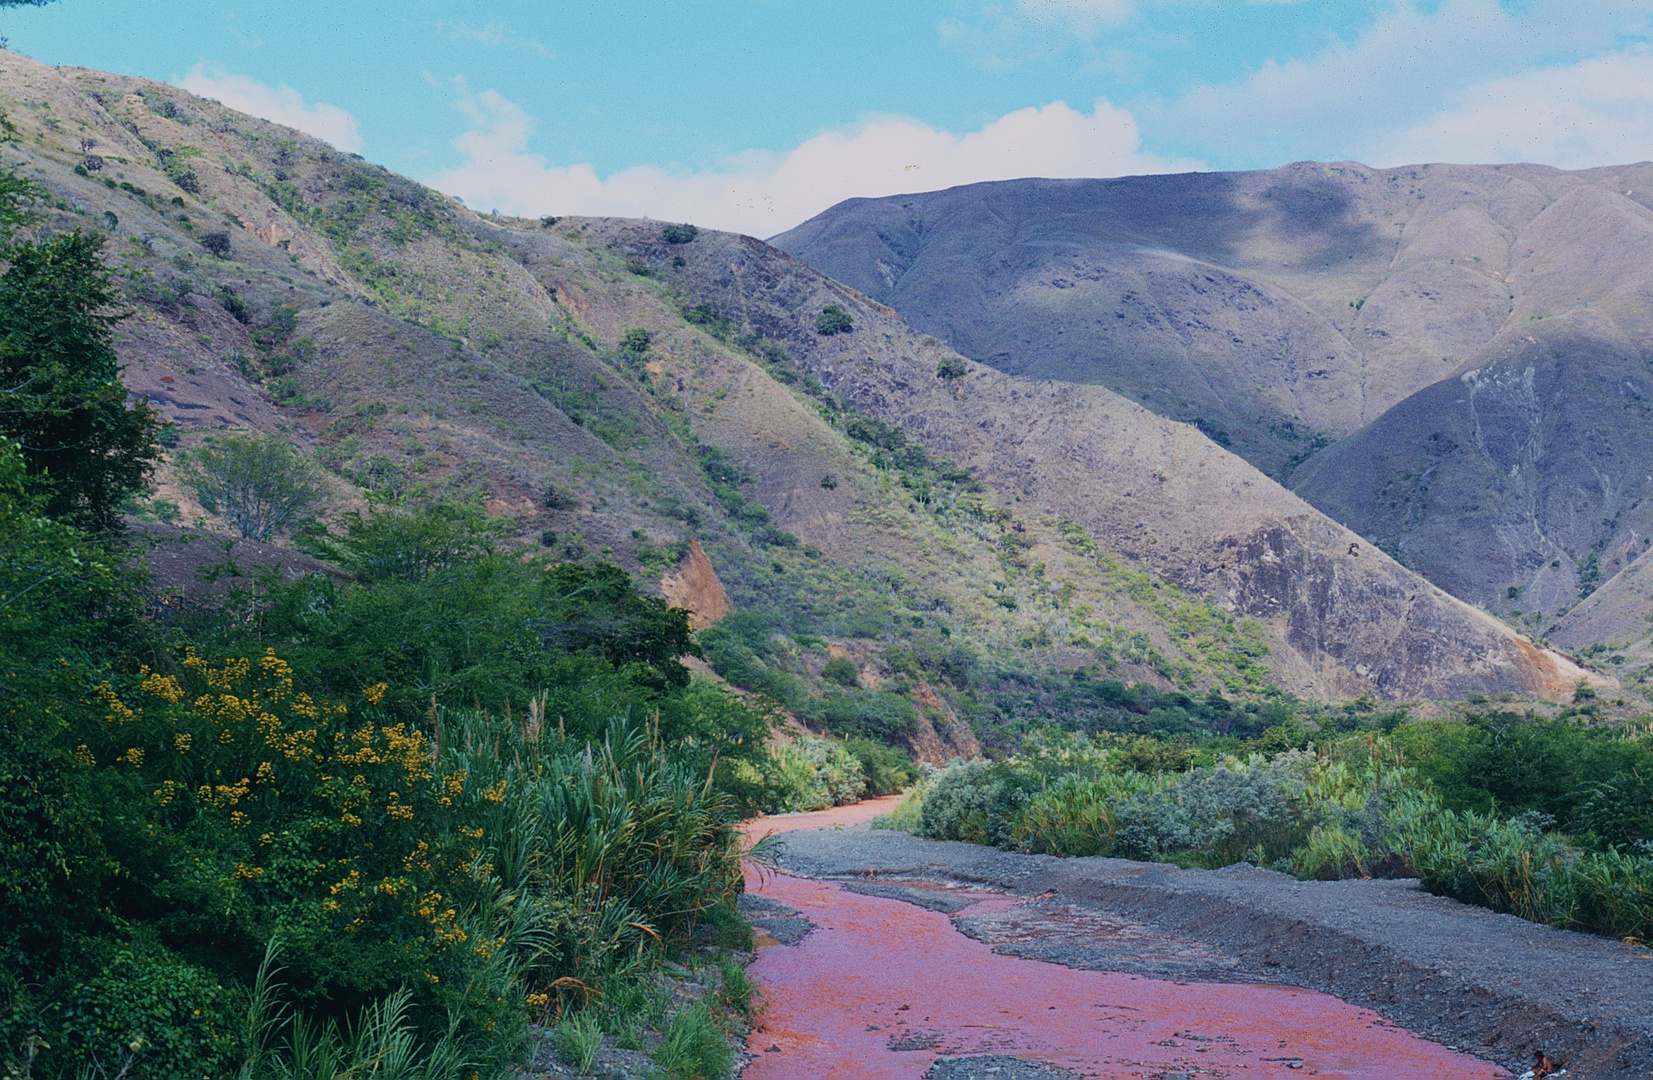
[[669, 398], [1452, 361]]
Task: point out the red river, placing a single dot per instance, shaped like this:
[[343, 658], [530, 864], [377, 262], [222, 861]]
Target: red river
[[882, 988]]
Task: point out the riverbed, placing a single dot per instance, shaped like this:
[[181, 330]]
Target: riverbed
[[880, 987]]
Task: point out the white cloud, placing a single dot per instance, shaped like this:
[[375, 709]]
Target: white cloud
[[1597, 112], [493, 35], [283, 104], [1083, 18], [1355, 95], [763, 193]]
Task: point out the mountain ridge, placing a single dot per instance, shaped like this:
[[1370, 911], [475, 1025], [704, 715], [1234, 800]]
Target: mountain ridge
[[1339, 326], [624, 395]]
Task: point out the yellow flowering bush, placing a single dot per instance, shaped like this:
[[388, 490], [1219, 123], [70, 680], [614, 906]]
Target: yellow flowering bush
[[277, 814]]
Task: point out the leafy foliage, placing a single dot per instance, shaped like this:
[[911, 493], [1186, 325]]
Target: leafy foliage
[[1466, 818], [260, 483], [61, 397], [833, 320]]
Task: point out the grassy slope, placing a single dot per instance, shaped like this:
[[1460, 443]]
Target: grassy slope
[[429, 347]]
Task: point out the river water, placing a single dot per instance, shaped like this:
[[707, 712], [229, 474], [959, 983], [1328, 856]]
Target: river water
[[882, 989]]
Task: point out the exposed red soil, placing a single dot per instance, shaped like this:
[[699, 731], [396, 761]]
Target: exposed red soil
[[854, 814], [883, 988]]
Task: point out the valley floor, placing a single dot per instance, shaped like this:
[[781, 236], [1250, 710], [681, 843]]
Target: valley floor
[[1179, 972]]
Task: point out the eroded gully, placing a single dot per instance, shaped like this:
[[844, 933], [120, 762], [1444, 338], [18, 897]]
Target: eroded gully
[[873, 987]]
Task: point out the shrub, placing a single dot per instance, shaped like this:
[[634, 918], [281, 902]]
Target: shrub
[[231, 302], [636, 341], [841, 670], [261, 483], [888, 769], [812, 773], [679, 234], [833, 320], [218, 243], [973, 801], [951, 368]]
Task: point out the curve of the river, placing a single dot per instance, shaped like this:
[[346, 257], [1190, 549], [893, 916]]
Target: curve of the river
[[882, 988]]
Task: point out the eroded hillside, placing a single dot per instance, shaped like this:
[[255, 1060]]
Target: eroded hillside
[[972, 540], [1450, 360]]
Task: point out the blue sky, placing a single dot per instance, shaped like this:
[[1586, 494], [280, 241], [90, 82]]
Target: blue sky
[[754, 114]]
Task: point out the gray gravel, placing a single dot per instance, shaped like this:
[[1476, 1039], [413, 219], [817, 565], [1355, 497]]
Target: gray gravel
[[774, 918], [996, 1067], [1493, 985]]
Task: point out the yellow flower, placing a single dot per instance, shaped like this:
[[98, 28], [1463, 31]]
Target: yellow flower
[[83, 754], [375, 694], [182, 741], [536, 1001], [134, 757], [118, 711], [164, 687], [495, 793]]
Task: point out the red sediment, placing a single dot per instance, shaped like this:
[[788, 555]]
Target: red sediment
[[854, 814], [882, 988]]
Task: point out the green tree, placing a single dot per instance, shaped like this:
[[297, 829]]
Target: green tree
[[833, 320], [61, 396], [261, 483]]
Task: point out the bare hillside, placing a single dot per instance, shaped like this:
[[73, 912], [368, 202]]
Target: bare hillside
[[1450, 360]]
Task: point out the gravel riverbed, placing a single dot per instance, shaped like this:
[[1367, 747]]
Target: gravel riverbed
[[1492, 985]]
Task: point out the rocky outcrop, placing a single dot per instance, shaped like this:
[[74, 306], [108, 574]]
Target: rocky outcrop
[[694, 586], [940, 735]]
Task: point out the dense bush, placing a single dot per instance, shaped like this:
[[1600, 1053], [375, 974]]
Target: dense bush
[[812, 773], [888, 769], [1349, 808], [301, 777], [1595, 784], [384, 857], [875, 714], [61, 396], [833, 320]]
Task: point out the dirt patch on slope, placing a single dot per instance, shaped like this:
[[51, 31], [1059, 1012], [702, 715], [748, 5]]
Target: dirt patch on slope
[[694, 586]]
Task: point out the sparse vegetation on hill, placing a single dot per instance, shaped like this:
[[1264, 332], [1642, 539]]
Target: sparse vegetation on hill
[[1432, 356]]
